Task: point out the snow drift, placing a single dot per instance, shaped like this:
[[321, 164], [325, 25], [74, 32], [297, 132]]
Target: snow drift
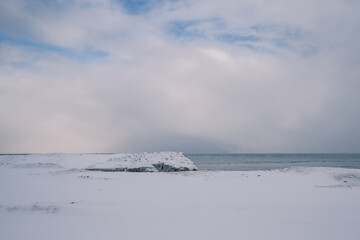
[[125, 162], [145, 162], [51, 196]]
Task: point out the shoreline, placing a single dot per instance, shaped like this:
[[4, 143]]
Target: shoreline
[[296, 203]]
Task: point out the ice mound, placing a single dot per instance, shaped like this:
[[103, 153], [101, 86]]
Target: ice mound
[[145, 162], [131, 162]]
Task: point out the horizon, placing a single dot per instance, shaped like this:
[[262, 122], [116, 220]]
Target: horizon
[[191, 153]]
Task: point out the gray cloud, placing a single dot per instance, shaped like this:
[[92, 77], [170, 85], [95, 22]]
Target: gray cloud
[[293, 89]]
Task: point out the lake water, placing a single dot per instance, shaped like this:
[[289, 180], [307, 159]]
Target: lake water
[[249, 162]]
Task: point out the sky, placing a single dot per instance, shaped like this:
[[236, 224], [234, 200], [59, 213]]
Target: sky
[[232, 76]]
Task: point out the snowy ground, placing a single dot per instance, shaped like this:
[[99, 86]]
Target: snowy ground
[[45, 201]]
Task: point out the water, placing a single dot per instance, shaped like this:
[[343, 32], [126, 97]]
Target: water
[[249, 162]]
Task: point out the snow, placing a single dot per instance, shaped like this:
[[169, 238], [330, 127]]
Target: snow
[[55, 198], [149, 162]]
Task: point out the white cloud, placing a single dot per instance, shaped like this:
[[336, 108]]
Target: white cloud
[[295, 89]]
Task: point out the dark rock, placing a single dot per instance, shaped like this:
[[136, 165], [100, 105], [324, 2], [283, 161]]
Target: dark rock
[[162, 167], [139, 169]]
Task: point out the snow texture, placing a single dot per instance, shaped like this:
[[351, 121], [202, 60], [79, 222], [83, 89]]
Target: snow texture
[[146, 162], [130, 162], [52, 197]]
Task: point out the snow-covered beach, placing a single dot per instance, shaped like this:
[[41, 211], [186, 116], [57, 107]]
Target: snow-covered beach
[[52, 197]]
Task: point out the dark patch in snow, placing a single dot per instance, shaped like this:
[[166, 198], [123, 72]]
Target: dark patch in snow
[[162, 167], [137, 169], [37, 165], [84, 177], [350, 180], [34, 208]]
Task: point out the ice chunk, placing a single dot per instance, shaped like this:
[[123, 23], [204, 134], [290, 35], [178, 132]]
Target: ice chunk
[[145, 162]]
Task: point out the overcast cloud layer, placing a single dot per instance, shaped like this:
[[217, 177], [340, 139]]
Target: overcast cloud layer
[[192, 76]]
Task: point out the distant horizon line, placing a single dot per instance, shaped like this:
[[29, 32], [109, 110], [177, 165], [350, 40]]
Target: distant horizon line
[[186, 153]]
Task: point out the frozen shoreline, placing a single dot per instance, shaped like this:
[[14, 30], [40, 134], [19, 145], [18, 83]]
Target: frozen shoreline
[[45, 201], [115, 162]]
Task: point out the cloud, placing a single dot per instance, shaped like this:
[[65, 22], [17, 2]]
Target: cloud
[[196, 76]]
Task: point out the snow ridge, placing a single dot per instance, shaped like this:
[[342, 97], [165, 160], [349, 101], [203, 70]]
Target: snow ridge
[[146, 162], [123, 162]]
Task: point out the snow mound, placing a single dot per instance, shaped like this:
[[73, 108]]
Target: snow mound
[[145, 162]]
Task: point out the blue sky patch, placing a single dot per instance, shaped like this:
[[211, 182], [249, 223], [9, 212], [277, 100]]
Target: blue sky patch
[[194, 29], [283, 31], [309, 51], [81, 55], [135, 7], [236, 38], [185, 29], [269, 39], [19, 65]]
